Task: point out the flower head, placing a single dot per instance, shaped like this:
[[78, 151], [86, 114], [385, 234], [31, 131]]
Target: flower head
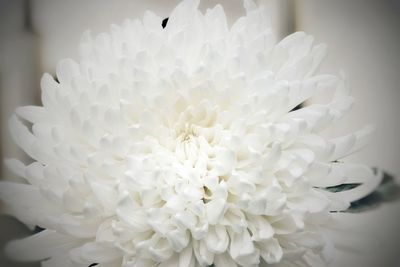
[[180, 146]]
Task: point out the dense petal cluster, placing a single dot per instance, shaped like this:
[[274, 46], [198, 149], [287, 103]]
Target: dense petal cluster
[[180, 146]]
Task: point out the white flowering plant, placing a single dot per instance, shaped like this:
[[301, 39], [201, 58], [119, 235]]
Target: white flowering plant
[[182, 146]]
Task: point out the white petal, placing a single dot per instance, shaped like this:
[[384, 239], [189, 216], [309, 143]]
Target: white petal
[[369, 182], [312, 201], [186, 257], [49, 87], [217, 239], [131, 213], [203, 255], [224, 260], [284, 225], [66, 70], [224, 161], [182, 14], [16, 166], [24, 201], [171, 262], [260, 227], [215, 210], [32, 114], [106, 195], [151, 21], [178, 239], [95, 253], [271, 251], [160, 249], [242, 249], [22, 136], [41, 246]]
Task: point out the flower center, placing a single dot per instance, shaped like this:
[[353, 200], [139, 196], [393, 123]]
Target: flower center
[[189, 144], [195, 130], [188, 133]]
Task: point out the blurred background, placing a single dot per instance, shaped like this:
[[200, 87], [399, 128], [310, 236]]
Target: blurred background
[[363, 37]]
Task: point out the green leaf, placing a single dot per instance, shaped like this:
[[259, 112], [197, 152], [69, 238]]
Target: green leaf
[[341, 187], [387, 191]]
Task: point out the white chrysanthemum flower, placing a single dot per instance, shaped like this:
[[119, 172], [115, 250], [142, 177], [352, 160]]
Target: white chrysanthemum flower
[[180, 147]]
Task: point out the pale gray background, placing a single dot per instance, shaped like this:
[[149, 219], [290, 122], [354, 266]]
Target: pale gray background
[[363, 38]]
